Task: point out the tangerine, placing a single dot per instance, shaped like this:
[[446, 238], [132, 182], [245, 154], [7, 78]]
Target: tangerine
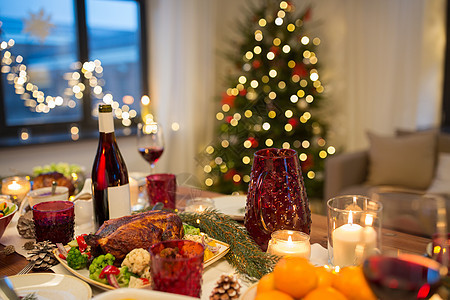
[[325, 293], [295, 276], [325, 277], [266, 283], [350, 281], [273, 294]]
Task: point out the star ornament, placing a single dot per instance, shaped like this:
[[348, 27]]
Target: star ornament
[[38, 25]]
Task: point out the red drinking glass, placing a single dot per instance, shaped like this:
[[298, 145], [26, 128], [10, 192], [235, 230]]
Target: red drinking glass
[[276, 196], [162, 188], [54, 221], [177, 267]]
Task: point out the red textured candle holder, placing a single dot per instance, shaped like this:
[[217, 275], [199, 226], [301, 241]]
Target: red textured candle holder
[[54, 221], [179, 273], [162, 188]]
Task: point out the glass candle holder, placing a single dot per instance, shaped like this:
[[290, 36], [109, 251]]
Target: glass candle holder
[[354, 229], [199, 205], [16, 187], [290, 243], [162, 188], [54, 221], [177, 267]]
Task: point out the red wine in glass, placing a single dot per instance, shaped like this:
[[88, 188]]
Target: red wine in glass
[[151, 154], [407, 276], [150, 141]]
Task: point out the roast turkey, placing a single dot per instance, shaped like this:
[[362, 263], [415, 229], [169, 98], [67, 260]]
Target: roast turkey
[[120, 236]]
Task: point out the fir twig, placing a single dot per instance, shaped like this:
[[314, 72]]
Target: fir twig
[[244, 255]]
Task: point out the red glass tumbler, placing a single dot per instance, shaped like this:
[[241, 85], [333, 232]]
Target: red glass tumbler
[[54, 221], [177, 267], [276, 196], [162, 188]]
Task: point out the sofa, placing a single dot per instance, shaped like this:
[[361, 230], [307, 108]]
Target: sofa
[[406, 172]]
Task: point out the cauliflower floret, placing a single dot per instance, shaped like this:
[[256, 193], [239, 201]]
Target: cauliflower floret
[[138, 262], [137, 282]]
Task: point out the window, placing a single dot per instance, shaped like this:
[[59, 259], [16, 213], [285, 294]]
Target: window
[[60, 59]]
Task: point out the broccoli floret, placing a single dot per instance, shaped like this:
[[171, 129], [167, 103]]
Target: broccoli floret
[[75, 259], [98, 264], [124, 277]]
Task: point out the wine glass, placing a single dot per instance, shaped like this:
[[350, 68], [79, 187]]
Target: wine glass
[[409, 276], [150, 141]]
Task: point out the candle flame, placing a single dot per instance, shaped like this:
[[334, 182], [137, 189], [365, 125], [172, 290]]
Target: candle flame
[[350, 218], [369, 220], [14, 186], [289, 240]]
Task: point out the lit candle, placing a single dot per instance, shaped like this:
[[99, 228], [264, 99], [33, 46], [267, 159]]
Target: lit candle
[[370, 236], [345, 240], [16, 186], [290, 243], [199, 205]]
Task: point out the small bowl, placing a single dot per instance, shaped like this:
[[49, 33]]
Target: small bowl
[[45, 194], [4, 221]]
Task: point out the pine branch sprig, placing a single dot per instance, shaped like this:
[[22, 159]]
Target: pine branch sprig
[[244, 255]]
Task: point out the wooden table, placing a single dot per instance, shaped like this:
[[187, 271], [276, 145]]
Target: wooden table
[[391, 240]]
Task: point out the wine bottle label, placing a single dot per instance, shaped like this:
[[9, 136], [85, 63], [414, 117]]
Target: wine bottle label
[[105, 122], [119, 201]]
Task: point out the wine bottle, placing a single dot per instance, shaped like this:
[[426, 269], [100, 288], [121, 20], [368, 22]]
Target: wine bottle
[[110, 188]]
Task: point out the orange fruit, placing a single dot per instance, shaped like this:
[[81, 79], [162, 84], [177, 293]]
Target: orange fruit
[[350, 281], [295, 276], [273, 295], [325, 293], [324, 277], [266, 283]]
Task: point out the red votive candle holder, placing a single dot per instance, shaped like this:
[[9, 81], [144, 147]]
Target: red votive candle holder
[[177, 267], [54, 221], [162, 188]]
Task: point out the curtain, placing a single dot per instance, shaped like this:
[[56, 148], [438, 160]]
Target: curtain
[[383, 65], [182, 78]]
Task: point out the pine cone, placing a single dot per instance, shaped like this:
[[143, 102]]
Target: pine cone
[[8, 250], [227, 287], [42, 255], [25, 225]]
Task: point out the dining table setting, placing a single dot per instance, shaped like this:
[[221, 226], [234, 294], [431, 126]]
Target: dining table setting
[[184, 242]]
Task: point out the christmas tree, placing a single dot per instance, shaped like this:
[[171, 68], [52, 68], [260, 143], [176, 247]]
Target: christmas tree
[[273, 101]]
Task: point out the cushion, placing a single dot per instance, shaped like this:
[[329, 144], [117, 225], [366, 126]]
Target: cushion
[[406, 161], [443, 138], [441, 182]]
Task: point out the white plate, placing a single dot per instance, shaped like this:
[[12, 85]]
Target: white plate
[[84, 273], [139, 294], [51, 286], [250, 293], [233, 206]]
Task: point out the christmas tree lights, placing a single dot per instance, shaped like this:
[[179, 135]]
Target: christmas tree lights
[[272, 101]]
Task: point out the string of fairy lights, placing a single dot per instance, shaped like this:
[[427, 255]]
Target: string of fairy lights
[[250, 87], [37, 101]]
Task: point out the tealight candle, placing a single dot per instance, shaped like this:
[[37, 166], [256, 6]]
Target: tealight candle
[[16, 187], [289, 243], [199, 205]]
